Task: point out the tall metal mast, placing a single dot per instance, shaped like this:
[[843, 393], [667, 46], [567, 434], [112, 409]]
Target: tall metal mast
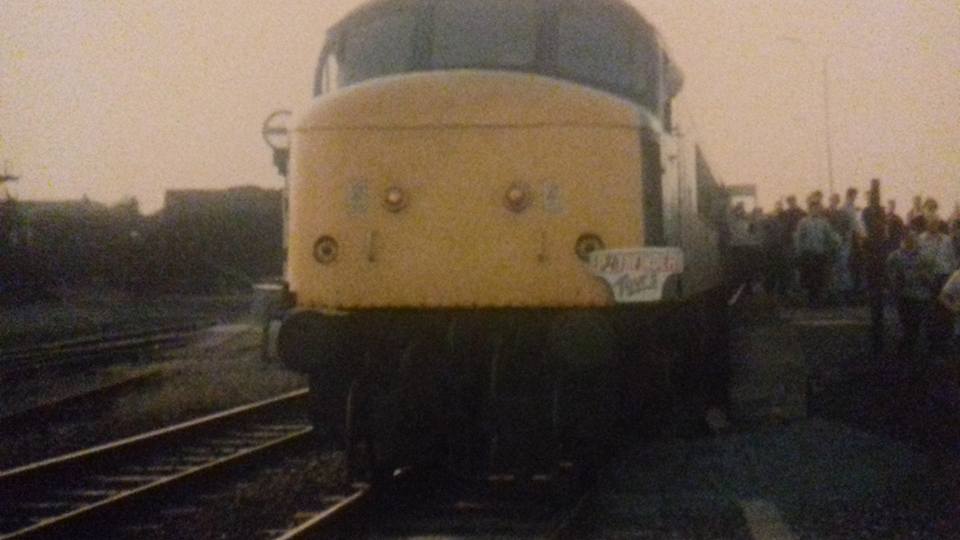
[[6, 177]]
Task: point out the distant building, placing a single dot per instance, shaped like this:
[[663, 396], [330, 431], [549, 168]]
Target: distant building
[[78, 242], [217, 238], [745, 193], [201, 241]]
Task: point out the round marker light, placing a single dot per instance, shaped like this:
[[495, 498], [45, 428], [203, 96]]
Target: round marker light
[[587, 244], [395, 199], [325, 250], [517, 198]]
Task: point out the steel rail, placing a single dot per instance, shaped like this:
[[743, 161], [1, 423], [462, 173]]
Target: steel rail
[[324, 522], [41, 499], [62, 354], [82, 342], [96, 347], [736, 295], [58, 356], [403, 507]]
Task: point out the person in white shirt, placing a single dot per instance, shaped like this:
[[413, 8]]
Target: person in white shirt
[[851, 237], [816, 245], [950, 299], [745, 244], [909, 280], [950, 294], [938, 248]]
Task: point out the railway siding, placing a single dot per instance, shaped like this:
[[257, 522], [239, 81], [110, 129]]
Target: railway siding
[[70, 492], [92, 351], [42, 410]]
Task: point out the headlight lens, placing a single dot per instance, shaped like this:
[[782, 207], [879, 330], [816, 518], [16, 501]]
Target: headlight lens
[[517, 197], [325, 250], [587, 244], [395, 199]]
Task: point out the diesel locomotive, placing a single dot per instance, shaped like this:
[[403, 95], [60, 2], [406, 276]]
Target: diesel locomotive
[[500, 244]]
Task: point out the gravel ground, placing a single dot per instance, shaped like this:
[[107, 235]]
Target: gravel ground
[[827, 481], [261, 503], [877, 457], [219, 369], [914, 401], [83, 313], [873, 459]]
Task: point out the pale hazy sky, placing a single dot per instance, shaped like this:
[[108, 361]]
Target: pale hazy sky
[[114, 98]]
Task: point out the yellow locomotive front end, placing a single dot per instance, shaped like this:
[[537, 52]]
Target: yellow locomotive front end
[[464, 189], [478, 218]]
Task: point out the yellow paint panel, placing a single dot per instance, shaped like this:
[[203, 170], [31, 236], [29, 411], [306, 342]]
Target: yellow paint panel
[[468, 98], [456, 244]]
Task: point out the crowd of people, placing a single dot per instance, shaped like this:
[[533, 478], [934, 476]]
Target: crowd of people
[[833, 252]]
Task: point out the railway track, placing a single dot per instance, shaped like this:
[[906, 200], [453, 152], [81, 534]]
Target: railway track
[[418, 505], [341, 517], [86, 491], [56, 354], [499, 508], [28, 416]]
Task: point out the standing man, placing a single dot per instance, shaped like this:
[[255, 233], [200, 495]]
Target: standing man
[[938, 248], [793, 214], [851, 247], [954, 229], [950, 294], [742, 257], [895, 227], [777, 251], [931, 213], [874, 256], [815, 244], [833, 213], [839, 274], [915, 217], [910, 279], [791, 219]]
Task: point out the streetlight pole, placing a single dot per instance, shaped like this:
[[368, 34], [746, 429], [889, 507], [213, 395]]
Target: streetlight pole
[[7, 177], [826, 120], [828, 138]]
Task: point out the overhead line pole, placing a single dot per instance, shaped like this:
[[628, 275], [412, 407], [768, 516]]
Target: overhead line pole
[[827, 123], [6, 176], [828, 136]]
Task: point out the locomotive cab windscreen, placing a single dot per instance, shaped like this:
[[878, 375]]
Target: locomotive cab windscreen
[[608, 47]]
